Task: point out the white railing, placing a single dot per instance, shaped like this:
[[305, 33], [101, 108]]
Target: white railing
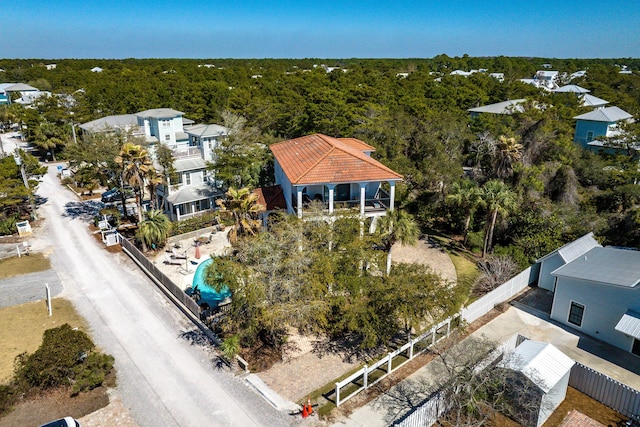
[[413, 348]]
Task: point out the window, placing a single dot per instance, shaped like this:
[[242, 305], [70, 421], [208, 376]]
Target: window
[[575, 313], [590, 136], [166, 123], [187, 178], [636, 347]]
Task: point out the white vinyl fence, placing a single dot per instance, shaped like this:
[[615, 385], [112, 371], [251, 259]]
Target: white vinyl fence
[[502, 293]]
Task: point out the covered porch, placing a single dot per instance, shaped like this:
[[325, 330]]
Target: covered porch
[[188, 202], [367, 198]]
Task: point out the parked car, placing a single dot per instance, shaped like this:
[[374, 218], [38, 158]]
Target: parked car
[[115, 195], [63, 422]]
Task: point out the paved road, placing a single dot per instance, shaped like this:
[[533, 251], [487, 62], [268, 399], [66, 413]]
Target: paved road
[[164, 379], [28, 288]]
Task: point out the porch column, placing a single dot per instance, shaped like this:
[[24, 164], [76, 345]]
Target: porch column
[[363, 187], [392, 194], [299, 197], [331, 187]]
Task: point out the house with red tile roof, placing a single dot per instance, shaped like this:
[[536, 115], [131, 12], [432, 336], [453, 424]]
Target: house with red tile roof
[[339, 172]]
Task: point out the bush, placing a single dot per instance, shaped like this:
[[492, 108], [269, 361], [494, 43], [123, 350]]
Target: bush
[[8, 397], [65, 357], [194, 223], [8, 226]]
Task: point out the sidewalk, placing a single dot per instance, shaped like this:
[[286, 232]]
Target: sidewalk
[[579, 348]]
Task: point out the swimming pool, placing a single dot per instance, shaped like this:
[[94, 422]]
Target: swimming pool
[[207, 294]]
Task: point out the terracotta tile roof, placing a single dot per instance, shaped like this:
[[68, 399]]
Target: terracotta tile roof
[[318, 158], [271, 198]]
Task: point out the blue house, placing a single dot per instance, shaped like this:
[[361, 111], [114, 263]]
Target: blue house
[[599, 122]]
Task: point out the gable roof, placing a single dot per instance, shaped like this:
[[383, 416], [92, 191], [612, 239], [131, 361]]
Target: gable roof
[[629, 324], [189, 163], [609, 266], [573, 250], [541, 362], [504, 107], [319, 158], [159, 113], [192, 194], [608, 114]]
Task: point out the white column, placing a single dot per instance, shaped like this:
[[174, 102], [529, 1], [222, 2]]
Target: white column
[[363, 187], [299, 190], [331, 188], [392, 194]]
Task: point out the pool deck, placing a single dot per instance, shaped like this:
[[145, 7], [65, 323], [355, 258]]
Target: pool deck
[[182, 275]]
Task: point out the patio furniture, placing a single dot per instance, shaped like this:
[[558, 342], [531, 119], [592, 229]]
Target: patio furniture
[[171, 260], [178, 255]]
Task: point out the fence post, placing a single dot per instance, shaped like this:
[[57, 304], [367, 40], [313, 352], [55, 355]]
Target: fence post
[[433, 336], [365, 376], [449, 326], [411, 349], [337, 394], [389, 363]]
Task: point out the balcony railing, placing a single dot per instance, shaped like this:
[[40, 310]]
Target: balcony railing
[[186, 152]]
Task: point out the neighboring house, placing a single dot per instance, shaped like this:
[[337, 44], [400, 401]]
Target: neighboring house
[[498, 76], [598, 293], [338, 172], [544, 79], [96, 70], [164, 125], [599, 122], [7, 90], [206, 138], [578, 74], [505, 107], [548, 369], [563, 256], [271, 199], [126, 123], [193, 193], [593, 101], [51, 66]]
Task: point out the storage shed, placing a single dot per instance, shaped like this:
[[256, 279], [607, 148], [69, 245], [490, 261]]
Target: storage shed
[[548, 369]]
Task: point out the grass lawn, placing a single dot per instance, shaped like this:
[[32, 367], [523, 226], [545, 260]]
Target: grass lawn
[[22, 326], [22, 265]]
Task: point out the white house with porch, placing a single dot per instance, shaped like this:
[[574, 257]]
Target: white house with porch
[[338, 172]]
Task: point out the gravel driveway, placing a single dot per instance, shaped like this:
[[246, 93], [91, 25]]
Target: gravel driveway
[[163, 378]]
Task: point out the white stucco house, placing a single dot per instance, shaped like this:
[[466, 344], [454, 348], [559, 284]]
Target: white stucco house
[[338, 172]]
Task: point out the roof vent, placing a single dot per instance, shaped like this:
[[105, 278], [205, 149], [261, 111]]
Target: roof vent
[[585, 257]]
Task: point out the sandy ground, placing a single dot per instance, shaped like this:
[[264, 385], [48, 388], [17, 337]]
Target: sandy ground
[[429, 253]]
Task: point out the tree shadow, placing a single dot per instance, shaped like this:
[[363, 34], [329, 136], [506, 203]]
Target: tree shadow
[[348, 346], [197, 337], [83, 210]]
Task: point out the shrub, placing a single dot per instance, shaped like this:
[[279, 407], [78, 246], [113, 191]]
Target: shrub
[[8, 226], [65, 357], [194, 223]]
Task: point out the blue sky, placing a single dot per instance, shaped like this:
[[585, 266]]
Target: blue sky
[[318, 29]]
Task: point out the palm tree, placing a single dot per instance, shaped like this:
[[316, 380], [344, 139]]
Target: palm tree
[[154, 230], [242, 205], [468, 197], [508, 153], [397, 226], [136, 167], [499, 199]]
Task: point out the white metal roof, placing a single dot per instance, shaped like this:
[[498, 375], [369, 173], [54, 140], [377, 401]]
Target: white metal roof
[[505, 107], [609, 266], [121, 121], [189, 163], [592, 101], [572, 89], [608, 114], [191, 194], [159, 113], [203, 130], [573, 250], [630, 324], [540, 362]]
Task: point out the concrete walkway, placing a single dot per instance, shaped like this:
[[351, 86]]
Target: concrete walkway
[[380, 412]]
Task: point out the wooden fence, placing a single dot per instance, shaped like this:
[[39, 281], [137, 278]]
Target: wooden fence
[[159, 277], [605, 390], [370, 375]]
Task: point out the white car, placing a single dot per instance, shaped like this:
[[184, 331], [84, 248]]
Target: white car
[[63, 422]]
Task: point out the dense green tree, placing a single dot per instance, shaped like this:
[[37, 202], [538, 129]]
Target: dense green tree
[[396, 226], [154, 230], [137, 168], [499, 199], [243, 207]]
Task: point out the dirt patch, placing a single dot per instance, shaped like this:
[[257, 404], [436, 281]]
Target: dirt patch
[[55, 404], [586, 405]]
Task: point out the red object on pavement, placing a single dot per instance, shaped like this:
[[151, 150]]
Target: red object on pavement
[[310, 407], [197, 251], [305, 414]]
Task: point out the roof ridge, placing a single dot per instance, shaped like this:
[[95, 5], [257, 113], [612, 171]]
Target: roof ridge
[[362, 156], [321, 158]]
